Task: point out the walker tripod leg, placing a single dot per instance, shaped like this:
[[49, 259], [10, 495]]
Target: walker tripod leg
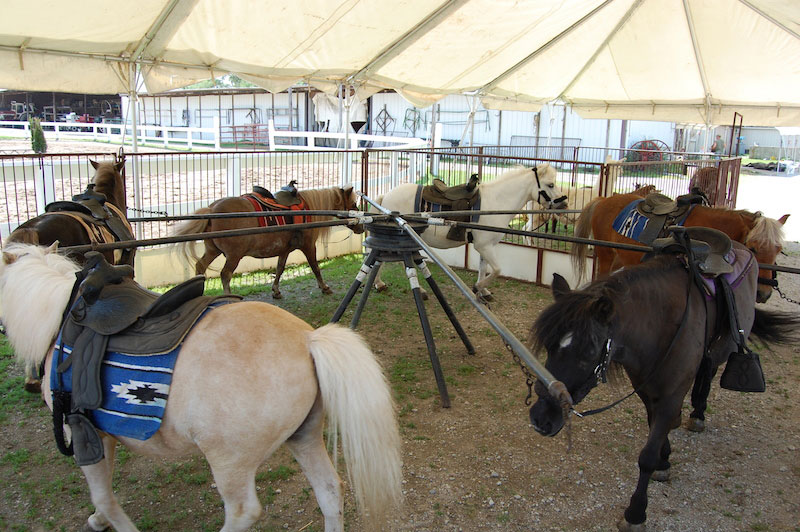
[[366, 269], [411, 272], [446, 306], [373, 273]]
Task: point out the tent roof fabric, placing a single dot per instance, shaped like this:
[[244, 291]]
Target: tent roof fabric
[[677, 60]]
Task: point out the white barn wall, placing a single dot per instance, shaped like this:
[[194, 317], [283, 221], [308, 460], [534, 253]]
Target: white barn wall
[[454, 109], [489, 129]]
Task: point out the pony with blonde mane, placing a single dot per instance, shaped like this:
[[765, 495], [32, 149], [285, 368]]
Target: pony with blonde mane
[[762, 235], [264, 245], [236, 395]]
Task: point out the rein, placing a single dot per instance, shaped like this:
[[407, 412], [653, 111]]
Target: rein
[[62, 400]]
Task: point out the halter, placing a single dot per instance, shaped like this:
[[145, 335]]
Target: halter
[[549, 201]]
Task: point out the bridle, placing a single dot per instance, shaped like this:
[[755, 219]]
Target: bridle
[[550, 202]]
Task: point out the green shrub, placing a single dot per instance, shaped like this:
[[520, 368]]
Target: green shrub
[[38, 142]]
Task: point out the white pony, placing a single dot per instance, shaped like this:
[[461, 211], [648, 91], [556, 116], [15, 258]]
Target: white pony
[[257, 392], [509, 192]]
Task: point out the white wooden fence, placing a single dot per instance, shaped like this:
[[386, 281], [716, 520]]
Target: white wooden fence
[[168, 137]]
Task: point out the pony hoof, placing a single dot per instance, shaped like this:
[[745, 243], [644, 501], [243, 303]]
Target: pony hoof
[[327, 290], [88, 528], [695, 425], [33, 387], [624, 526], [381, 287], [277, 295], [660, 475]]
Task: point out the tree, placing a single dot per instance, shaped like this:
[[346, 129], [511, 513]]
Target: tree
[[38, 142]]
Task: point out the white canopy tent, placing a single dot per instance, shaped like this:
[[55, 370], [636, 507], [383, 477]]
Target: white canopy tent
[[676, 60]]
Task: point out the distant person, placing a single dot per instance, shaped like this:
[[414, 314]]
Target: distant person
[[718, 147]]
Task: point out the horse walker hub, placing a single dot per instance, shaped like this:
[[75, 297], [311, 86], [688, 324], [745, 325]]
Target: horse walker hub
[[389, 236], [388, 242]]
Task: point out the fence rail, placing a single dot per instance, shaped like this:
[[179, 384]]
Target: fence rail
[[173, 184], [166, 136]]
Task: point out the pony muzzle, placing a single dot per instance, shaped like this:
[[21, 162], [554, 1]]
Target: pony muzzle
[[547, 416]]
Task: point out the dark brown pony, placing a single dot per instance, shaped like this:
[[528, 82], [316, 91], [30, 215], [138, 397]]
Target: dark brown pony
[[651, 320], [69, 229], [261, 246], [764, 236]]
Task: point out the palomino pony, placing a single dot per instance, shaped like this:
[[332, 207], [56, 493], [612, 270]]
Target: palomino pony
[[264, 245], [257, 392], [68, 229], [649, 319], [510, 191], [762, 235]]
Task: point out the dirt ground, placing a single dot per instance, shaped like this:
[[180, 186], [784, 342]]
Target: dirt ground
[[476, 466]]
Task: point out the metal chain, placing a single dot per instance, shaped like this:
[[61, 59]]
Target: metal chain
[[145, 211], [780, 293], [785, 297], [530, 378]]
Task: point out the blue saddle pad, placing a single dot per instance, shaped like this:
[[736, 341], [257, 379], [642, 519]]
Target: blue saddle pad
[[630, 222], [135, 389]]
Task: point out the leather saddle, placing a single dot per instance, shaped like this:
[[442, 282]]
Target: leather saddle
[[456, 198], [662, 212], [286, 196], [657, 204], [114, 313], [710, 248], [464, 191], [92, 206]]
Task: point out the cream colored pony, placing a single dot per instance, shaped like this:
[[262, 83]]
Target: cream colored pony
[[236, 396], [579, 197]]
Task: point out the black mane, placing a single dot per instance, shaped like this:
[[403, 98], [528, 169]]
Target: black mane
[[589, 313]]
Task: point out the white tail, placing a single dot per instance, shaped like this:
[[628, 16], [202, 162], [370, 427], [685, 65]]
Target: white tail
[[359, 405]]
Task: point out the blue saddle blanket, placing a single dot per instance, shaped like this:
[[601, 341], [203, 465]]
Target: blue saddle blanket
[[135, 389], [630, 222]]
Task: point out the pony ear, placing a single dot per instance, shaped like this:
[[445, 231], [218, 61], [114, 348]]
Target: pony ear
[[560, 286], [9, 258], [95, 164], [349, 190], [602, 308], [783, 219], [52, 248], [118, 165]]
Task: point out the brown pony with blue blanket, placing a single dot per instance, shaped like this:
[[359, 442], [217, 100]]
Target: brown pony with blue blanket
[[762, 235]]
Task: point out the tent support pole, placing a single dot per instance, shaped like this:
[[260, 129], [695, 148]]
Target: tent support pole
[[137, 191]]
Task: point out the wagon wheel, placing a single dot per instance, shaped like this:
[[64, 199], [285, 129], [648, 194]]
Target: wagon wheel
[[647, 150]]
